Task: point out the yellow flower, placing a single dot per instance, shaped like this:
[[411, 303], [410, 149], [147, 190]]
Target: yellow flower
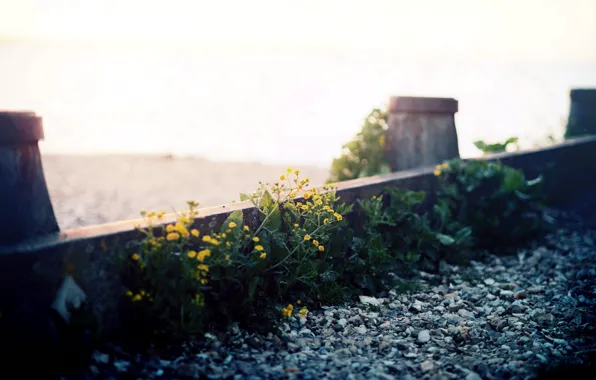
[[223, 235], [286, 313], [204, 253], [204, 281], [289, 170], [305, 208], [228, 231], [303, 312], [319, 202], [307, 237], [297, 172], [325, 221], [206, 238], [227, 257], [299, 302], [255, 239], [290, 307], [172, 236], [437, 172], [228, 244], [151, 214], [129, 293], [137, 298], [338, 216], [282, 177], [321, 248], [315, 243], [170, 228], [203, 267], [143, 292], [296, 225], [263, 255], [214, 242], [136, 256], [246, 228], [314, 190], [306, 195], [191, 254], [259, 247], [181, 228], [307, 180], [195, 232], [232, 225]]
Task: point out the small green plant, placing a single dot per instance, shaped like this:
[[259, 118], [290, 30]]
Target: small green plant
[[179, 283], [164, 284], [495, 200], [487, 148], [364, 155], [395, 233]]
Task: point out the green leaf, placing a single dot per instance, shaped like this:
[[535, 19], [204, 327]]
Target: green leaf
[[269, 206], [445, 239], [235, 217], [267, 202], [244, 197], [512, 180]]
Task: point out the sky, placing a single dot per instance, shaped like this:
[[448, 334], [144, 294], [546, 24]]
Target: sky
[[504, 30]]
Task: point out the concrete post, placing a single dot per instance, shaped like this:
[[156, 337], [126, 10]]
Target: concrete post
[[582, 113], [25, 207], [421, 132]]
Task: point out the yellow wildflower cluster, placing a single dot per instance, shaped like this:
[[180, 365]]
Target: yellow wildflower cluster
[[141, 295], [286, 312], [440, 168]]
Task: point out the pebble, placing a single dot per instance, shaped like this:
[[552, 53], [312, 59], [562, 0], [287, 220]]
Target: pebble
[[423, 336]]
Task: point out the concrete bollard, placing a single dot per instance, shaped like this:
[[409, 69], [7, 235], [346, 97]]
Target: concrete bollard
[[582, 113], [25, 207], [421, 132]]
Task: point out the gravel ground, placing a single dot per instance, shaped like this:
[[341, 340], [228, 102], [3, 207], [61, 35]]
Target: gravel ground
[[504, 316]]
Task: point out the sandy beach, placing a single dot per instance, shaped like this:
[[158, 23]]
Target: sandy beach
[[87, 190]]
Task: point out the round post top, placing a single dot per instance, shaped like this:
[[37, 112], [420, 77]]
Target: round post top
[[413, 104], [20, 128], [583, 95]]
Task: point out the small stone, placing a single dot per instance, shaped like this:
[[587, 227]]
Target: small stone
[[465, 313], [473, 376], [521, 295], [489, 281], [543, 318], [415, 308], [361, 329], [427, 366], [542, 358], [371, 301], [385, 325], [506, 293], [342, 322], [423, 336]]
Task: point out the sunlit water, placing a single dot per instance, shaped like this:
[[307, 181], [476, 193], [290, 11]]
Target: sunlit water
[[275, 108]]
